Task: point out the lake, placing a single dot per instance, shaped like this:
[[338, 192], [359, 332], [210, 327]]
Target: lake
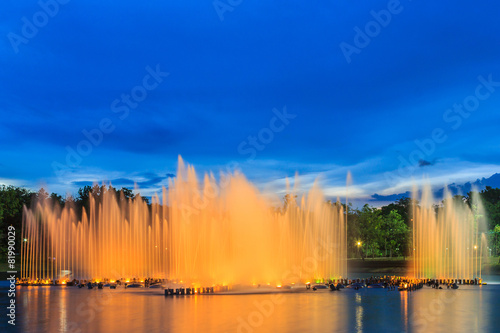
[[69, 309]]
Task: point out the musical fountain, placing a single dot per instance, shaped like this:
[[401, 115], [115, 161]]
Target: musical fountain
[[226, 232], [449, 241], [215, 232]]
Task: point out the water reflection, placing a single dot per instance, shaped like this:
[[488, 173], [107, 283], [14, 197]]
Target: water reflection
[[64, 307], [359, 313], [455, 310], [404, 309], [67, 309]]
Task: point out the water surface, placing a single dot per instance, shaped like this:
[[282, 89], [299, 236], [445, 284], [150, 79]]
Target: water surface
[[69, 309]]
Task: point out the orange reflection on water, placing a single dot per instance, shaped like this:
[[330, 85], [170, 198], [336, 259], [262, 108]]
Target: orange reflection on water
[[81, 310], [404, 309], [67, 309]]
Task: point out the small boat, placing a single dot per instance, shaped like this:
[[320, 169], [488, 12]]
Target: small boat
[[155, 285], [134, 285]]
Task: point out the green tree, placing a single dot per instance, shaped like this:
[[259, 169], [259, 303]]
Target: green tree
[[491, 201], [127, 193], [494, 240], [370, 222], [404, 208], [83, 198], [57, 199], [12, 200], [395, 233], [353, 230]]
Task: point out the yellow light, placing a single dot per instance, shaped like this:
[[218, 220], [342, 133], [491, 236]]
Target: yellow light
[[475, 247], [112, 281], [127, 281], [359, 243], [308, 282], [142, 280], [64, 282], [278, 286]]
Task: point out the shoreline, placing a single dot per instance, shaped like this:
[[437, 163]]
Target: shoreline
[[399, 266]]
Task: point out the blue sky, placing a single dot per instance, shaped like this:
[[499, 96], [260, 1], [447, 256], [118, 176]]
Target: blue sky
[[275, 71]]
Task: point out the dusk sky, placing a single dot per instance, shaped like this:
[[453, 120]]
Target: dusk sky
[[115, 91]]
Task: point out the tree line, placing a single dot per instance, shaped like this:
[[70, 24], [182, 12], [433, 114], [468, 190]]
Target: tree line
[[387, 231], [371, 231]]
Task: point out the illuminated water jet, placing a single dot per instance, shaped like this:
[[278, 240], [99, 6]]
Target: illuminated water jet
[[205, 233], [449, 241]]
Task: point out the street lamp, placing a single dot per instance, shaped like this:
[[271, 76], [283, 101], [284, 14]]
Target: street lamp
[[358, 243]]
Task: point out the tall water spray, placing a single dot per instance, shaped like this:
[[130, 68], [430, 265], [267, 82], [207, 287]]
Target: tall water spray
[[449, 241], [212, 232]]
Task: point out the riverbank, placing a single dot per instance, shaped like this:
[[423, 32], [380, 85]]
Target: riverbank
[[395, 266], [4, 268], [400, 266]]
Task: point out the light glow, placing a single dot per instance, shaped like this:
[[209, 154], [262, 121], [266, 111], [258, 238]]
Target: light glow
[[234, 248]]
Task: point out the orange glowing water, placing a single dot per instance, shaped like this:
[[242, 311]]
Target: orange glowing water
[[206, 233], [449, 243]]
